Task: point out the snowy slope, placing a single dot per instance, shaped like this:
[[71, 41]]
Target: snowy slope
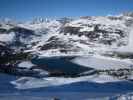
[[26, 83], [80, 35], [99, 62], [96, 41]]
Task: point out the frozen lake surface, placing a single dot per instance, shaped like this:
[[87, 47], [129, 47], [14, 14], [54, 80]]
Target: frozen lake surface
[[74, 91]]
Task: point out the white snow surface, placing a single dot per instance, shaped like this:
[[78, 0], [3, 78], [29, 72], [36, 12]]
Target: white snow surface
[[27, 82], [128, 49], [26, 64], [101, 62], [7, 37]]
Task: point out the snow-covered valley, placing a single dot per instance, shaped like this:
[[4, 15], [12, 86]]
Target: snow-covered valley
[[91, 56]]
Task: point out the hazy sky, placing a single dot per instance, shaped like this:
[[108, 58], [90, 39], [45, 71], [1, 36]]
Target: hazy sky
[[27, 9]]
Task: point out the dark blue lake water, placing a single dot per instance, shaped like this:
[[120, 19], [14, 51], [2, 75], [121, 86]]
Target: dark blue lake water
[[62, 64]]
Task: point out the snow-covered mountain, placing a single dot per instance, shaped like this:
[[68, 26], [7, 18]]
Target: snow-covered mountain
[[66, 36], [98, 47]]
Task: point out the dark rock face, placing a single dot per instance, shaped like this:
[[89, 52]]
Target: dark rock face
[[115, 18], [9, 59], [21, 31], [55, 43], [70, 30], [5, 54], [2, 30], [10, 56], [103, 36], [22, 37], [92, 35]]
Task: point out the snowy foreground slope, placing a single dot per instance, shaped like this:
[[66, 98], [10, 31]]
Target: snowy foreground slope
[[86, 54]]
